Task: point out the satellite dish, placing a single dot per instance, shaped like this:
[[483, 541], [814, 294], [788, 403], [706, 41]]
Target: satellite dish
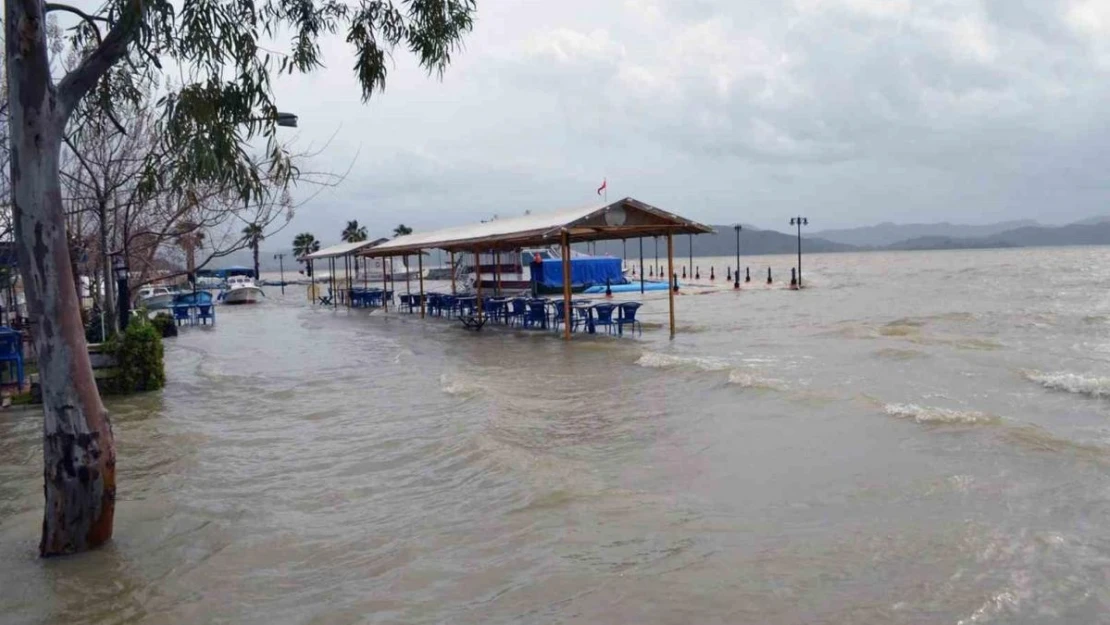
[[615, 216]]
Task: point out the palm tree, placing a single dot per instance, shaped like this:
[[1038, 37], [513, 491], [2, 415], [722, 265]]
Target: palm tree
[[252, 234], [304, 244], [401, 230], [354, 232], [190, 238]]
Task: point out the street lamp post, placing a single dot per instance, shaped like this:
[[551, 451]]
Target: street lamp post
[[736, 275], [119, 268], [799, 222], [281, 267]]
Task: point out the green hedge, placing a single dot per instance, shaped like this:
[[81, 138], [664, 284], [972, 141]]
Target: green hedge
[[138, 352]]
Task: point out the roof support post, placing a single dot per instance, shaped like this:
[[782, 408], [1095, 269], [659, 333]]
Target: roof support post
[[670, 276], [385, 283], [641, 265], [566, 285], [420, 271], [497, 271], [478, 283], [453, 272], [408, 282], [331, 263]]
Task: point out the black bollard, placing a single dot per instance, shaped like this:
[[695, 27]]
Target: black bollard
[[676, 283], [651, 272], [747, 274], [633, 270], [711, 275], [697, 273], [728, 276], [736, 281], [793, 278], [608, 288], [768, 275], [683, 273]]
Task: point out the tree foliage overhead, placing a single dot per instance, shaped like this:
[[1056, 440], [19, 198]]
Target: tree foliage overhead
[[401, 230], [227, 52]]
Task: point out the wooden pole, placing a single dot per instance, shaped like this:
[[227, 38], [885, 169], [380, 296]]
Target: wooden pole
[[478, 283], [420, 271], [408, 282], [497, 270], [670, 274], [365, 272], [452, 272], [566, 285], [385, 284]]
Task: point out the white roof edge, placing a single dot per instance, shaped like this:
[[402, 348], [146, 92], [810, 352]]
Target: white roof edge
[[341, 249]]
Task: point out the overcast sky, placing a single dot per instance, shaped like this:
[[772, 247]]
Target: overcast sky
[[849, 112]]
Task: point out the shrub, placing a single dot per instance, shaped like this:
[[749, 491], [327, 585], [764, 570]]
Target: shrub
[[164, 323], [138, 353]]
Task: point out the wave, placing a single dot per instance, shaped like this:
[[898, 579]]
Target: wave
[[457, 386], [930, 414], [1092, 386], [655, 360], [899, 354], [746, 379]]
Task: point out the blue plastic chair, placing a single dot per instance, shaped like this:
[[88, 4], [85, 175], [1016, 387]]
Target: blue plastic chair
[[517, 311], [628, 317], [604, 316], [11, 351], [206, 314], [537, 314], [181, 314], [561, 317]]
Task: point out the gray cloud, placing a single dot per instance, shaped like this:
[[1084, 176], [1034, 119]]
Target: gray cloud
[[850, 111]]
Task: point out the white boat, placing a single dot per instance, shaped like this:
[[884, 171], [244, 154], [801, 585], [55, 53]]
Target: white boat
[[155, 297], [378, 268], [240, 290]]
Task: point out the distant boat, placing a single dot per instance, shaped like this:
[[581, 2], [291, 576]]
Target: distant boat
[[240, 290], [155, 297], [586, 272]]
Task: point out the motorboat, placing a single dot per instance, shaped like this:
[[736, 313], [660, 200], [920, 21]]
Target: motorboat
[[155, 297], [240, 290]]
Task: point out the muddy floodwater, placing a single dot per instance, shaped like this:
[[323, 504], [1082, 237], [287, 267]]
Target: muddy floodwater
[[918, 438]]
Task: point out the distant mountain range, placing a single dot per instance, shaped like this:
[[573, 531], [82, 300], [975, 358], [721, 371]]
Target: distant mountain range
[[885, 236]]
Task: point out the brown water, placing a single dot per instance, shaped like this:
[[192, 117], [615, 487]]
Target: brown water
[[918, 438]]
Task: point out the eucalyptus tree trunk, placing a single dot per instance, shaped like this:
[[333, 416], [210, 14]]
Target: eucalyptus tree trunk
[[78, 449], [108, 309]]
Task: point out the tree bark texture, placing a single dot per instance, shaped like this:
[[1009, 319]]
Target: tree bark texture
[[78, 448]]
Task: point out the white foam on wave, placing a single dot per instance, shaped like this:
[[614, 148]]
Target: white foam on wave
[[931, 414], [747, 379], [655, 360], [1092, 386], [456, 386]]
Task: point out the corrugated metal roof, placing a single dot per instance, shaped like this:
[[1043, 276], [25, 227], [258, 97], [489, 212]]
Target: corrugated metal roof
[[538, 227], [339, 250], [496, 227]]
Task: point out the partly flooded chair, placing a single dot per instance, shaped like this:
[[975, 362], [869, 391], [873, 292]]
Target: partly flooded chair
[[518, 310], [628, 317], [183, 314], [206, 314], [537, 314], [561, 317], [604, 317], [11, 351]]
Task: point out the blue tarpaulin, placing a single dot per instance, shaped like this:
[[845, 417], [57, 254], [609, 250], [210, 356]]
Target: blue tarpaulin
[[583, 272]]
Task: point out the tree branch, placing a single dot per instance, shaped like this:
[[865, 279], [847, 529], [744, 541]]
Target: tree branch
[[81, 79], [90, 19]]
